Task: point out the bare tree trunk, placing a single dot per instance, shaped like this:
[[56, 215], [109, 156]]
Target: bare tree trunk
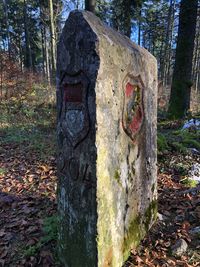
[[46, 56], [165, 57], [196, 58], [7, 27], [53, 38], [20, 56], [77, 4], [168, 59], [139, 28], [1, 71], [43, 52], [121, 17], [90, 5], [28, 56], [181, 82]]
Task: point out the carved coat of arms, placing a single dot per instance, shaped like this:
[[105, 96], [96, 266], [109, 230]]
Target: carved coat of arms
[[133, 110], [74, 112]]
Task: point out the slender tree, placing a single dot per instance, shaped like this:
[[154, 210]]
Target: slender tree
[[196, 56], [122, 16], [90, 5], [28, 54], [53, 37], [7, 26], [181, 81], [166, 55], [122, 13]]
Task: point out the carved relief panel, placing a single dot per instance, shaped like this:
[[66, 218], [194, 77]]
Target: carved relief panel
[[133, 109], [74, 113]]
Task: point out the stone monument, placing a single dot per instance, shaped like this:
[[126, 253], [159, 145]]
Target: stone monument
[[106, 102]]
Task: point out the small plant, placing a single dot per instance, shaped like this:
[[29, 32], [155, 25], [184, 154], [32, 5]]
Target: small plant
[[188, 138], [179, 147], [162, 142], [2, 171], [189, 182], [50, 229], [50, 234], [181, 168], [32, 250]]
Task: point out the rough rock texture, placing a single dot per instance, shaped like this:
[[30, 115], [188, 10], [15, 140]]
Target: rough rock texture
[[106, 98]]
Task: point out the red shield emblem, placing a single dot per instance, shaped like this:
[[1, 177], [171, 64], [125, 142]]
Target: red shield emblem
[[133, 111], [74, 113]]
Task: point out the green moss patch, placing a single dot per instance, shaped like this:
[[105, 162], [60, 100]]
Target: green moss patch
[[117, 177], [150, 214], [138, 227], [178, 140]]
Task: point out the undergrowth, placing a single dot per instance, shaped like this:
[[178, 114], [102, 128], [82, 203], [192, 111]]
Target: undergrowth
[[189, 182], [50, 235], [178, 140], [29, 126]]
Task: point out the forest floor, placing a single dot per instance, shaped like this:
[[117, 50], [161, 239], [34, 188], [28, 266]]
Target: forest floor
[[28, 195]]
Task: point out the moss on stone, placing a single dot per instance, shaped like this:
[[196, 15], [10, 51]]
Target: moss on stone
[[133, 168], [137, 229], [117, 176], [150, 214], [133, 236]]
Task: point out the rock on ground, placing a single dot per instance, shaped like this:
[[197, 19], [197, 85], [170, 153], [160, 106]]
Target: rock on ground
[[180, 247]]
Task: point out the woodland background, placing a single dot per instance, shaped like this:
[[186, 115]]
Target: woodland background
[[29, 32], [30, 29]]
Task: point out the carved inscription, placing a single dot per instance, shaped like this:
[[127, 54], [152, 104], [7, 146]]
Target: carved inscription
[[80, 173], [81, 185]]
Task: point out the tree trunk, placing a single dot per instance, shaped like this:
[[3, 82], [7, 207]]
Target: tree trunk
[[28, 54], [7, 27], [90, 5], [139, 27], [46, 56], [1, 74], [20, 55], [168, 69], [167, 47], [43, 52], [53, 39], [181, 81], [196, 56], [121, 17]]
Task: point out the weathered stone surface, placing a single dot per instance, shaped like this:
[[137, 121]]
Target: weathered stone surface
[[106, 95]]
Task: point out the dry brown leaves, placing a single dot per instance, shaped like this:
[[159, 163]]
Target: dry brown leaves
[[27, 195], [181, 213]]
